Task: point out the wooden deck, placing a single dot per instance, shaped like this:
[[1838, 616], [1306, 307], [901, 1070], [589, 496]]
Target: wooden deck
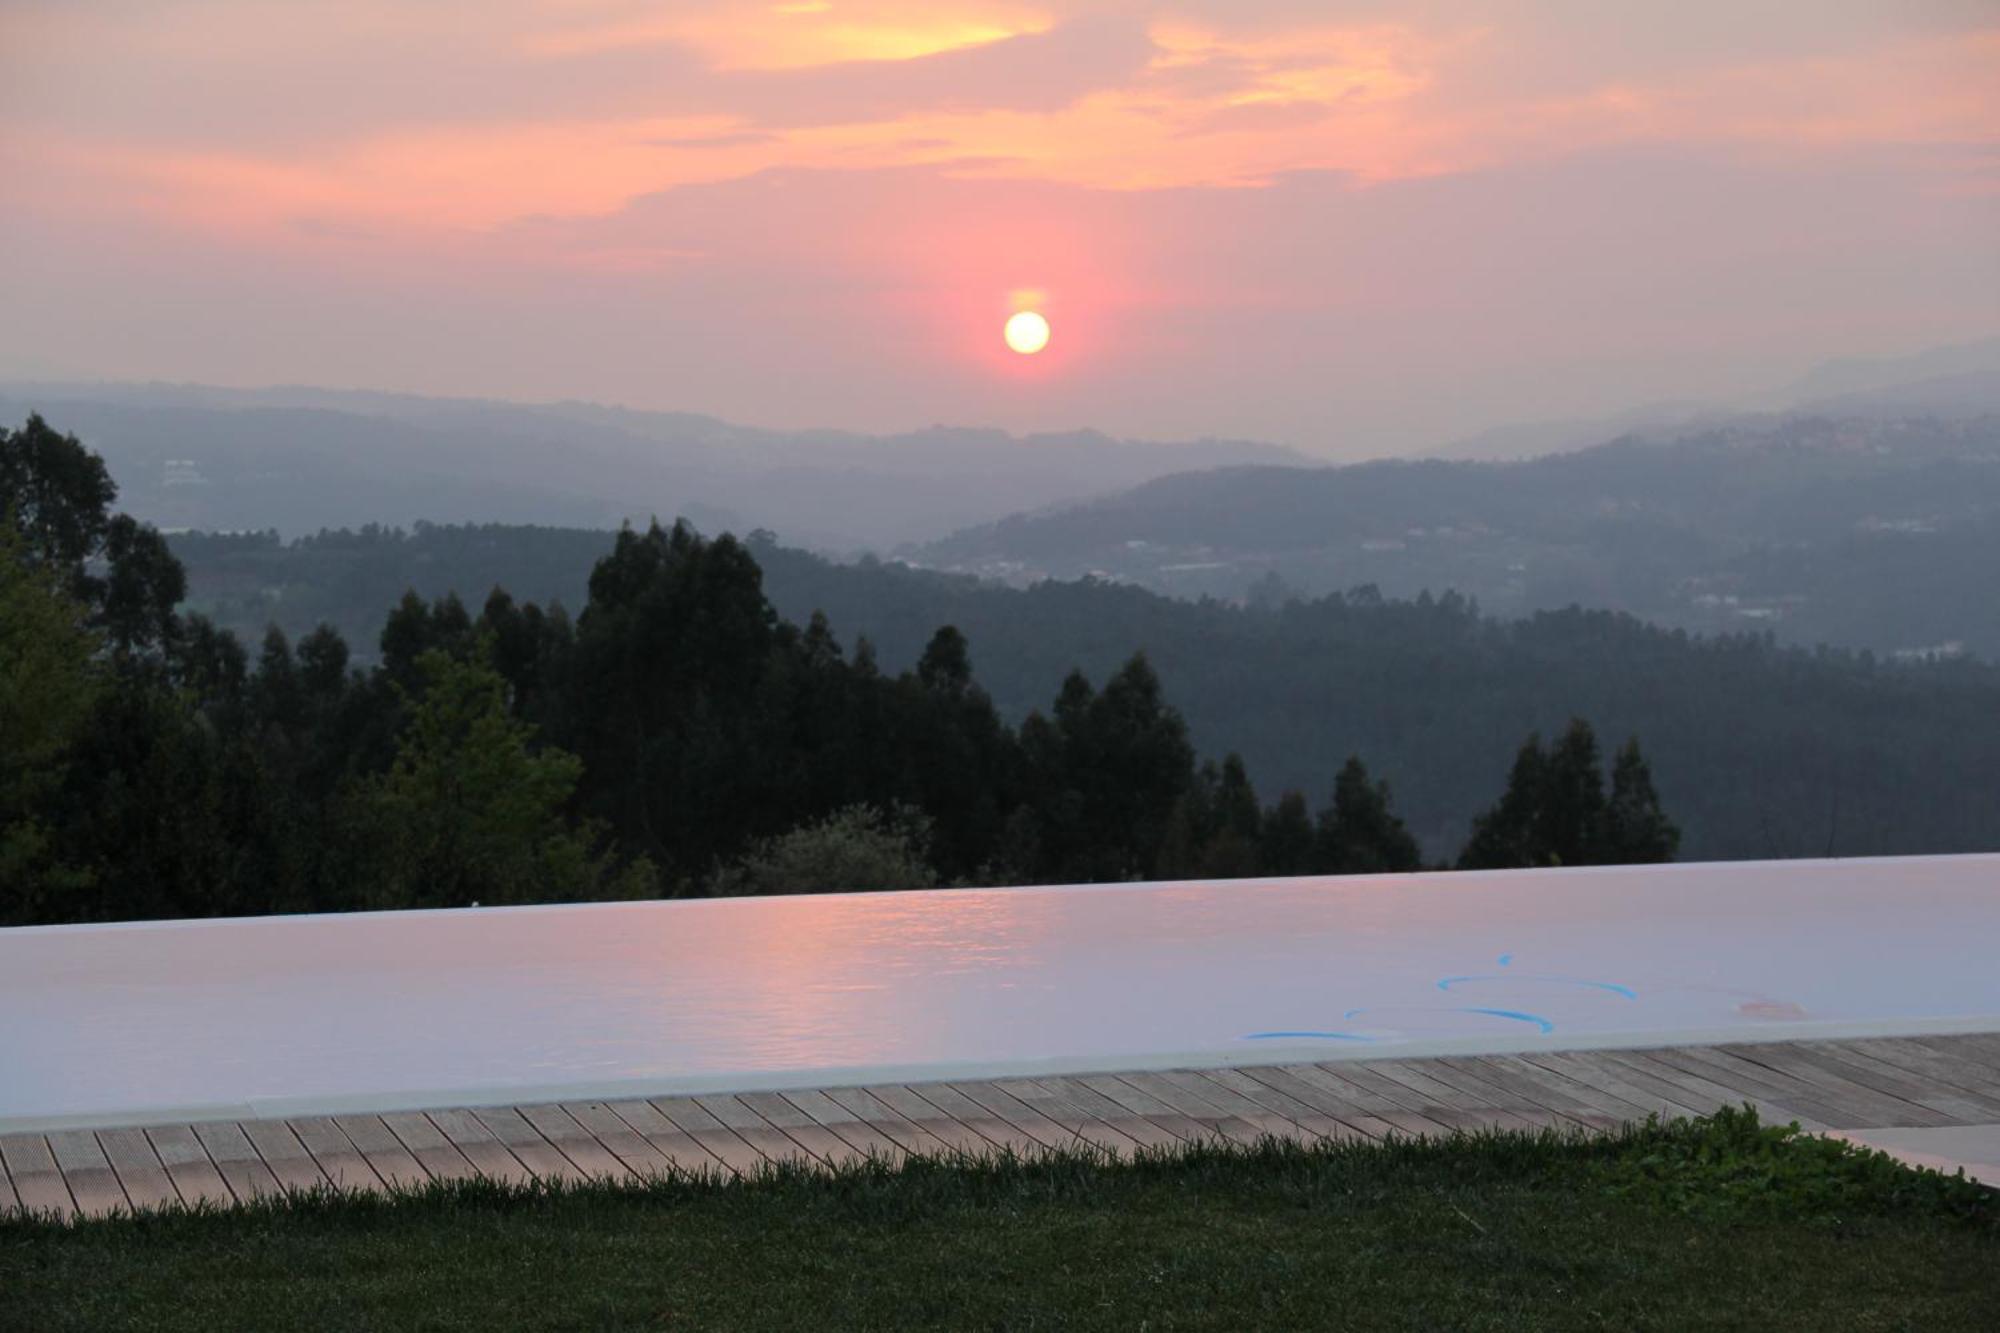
[[1825, 1085]]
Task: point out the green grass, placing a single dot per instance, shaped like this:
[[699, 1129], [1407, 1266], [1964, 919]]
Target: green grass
[[1719, 1223]]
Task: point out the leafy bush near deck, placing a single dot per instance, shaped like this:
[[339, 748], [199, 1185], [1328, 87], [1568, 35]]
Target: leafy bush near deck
[[1729, 1165]]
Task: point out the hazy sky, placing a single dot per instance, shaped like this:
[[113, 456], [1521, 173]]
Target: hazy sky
[[1346, 226]]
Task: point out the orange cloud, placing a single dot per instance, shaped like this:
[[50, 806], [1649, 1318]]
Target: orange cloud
[[1213, 103], [764, 36]]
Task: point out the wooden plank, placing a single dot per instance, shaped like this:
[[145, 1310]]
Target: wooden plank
[[1017, 1113], [1176, 1109], [766, 1139], [1962, 1108], [685, 1154], [236, 1158], [188, 1166], [1753, 1083], [9, 1201], [1457, 1099], [715, 1137], [1975, 1063], [1328, 1103], [631, 1147], [1852, 1103], [1520, 1090], [1930, 1063], [1830, 1082], [1589, 1099], [1210, 1104], [146, 1183], [385, 1152], [425, 1142], [1119, 1102], [1439, 1088], [1609, 1078], [997, 1130], [1454, 1098], [282, 1152], [1982, 1048], [872, 1111], [92, 1182], [1388, 1100], [480, 1146], [1701, 1081], [38, 1181], [1660, 1080], [801, 1128], [963, 1141], [593, 1158], [338, 1159], [526, 1143], [1087, 1115], [1854, 1106], [1928, 1066], [1341, 1101], [1186, 1088], [831, 1115], [1163, 1132], [1362, 1091], [1313, 1123]]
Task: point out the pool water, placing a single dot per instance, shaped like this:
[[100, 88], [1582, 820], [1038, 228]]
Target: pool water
[[377, 1011]]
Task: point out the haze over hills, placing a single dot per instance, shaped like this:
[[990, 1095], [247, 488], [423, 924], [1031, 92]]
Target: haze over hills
[[301, 459], [1958, 379], [1867, 531]]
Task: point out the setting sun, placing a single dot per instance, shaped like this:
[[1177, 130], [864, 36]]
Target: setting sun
[[1027, 332]]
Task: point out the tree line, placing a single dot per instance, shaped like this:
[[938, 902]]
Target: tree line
[[677, 736], [1760, 750]]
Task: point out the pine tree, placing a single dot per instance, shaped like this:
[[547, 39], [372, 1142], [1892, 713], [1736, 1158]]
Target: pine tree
[[1288, 842], [1554, 811], [1232, 850], [1359, 834], [1636, 830], [1569, 826], [1509, 834]]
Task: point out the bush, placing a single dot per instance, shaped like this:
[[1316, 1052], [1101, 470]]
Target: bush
[[854, 849]]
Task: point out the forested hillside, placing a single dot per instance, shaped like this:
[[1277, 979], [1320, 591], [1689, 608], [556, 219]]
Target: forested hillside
[[1863, 532], [677, 736], [1759, 750]]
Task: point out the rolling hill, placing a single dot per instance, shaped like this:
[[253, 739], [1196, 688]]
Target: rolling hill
[[1870, 532]]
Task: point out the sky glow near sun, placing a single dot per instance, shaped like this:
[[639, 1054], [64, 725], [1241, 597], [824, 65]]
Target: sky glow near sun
[[1249, 207]]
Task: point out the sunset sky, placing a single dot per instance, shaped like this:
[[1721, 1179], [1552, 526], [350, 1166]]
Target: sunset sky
[[1351, 227]]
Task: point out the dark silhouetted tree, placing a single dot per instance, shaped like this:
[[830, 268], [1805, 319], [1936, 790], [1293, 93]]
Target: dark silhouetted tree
[[471, 811], [1636, 829], [1289, 843], [1359, 834], [1554, 811]]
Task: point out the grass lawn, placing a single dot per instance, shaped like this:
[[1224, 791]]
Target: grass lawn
[[1706, 1224]]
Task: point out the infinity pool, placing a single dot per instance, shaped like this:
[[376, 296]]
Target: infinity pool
[[295, 1015]]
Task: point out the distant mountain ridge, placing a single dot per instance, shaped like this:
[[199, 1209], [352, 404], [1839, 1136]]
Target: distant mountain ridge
[[1864, 531], [302, 459]]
